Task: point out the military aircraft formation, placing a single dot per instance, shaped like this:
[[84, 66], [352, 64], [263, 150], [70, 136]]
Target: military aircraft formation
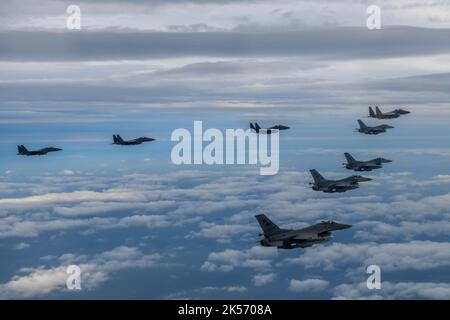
[[352, 182], [363, 128], [321, 232], [117, 139], [314, 234], [388, 115]]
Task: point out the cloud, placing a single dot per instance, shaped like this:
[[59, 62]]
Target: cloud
[[205, 15], [67, 172], [227, 260], [206, 292], [308, 285], [377, 230], [231, 289], [21, 246], [392, 290], [40, 281], [262, 279], [221, 232], [135, 201], [414, 255], [346, 43]]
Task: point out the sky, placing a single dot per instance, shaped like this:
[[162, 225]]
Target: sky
[[141, 227]]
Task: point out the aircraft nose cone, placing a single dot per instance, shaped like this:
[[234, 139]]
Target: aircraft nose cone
[[387, 160], [345, 226], [363, 179]]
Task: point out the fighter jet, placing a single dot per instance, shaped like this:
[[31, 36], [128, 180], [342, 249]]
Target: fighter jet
[[300, 238], [258, 129], [372, 130], [388, 115], [369, 165], [332, 186], [118, 140], [25, 152]]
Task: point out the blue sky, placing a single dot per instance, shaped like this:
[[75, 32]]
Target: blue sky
[[142, 228]]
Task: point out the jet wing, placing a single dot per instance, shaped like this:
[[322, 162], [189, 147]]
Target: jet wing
[[305, 236], [370, 165], [341, 184], [307, 233]]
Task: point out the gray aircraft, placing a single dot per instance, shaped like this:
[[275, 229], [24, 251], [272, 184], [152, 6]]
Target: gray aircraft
[[332, 186], [25, 152], [372, 130], [118, 140], [369, 165], [255, 127], [387, 115], [300, 238]]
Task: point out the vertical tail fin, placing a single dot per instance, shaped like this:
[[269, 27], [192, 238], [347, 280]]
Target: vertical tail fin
[[114, 138], [119, 138], [361, 124], [257, 127], [316, 176], [378, 111], [252, 126], [22, 150], [371, 113], [349, 157], [269, 228]]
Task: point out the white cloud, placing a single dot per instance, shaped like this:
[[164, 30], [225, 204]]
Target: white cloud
[[308, 285], [205, 292], [221, 232], [201, 16], [231, 289], [21, 246], [261, 279], [41, 281], [227, 260], [391, 290], [414, 255], [67, 172]]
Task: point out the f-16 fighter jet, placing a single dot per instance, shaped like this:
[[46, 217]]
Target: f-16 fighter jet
[[332, 186], [25, 152], [299, 238], [255, 127], [118, 140], [372, 130], [369, 165], [387, 115]]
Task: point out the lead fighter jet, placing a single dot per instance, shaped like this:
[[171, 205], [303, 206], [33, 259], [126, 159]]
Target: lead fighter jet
[[387, 115], [25, 152], [255, 127], [333, 186], [372, 130], [300, 238], [369, 165], [118, 140]]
